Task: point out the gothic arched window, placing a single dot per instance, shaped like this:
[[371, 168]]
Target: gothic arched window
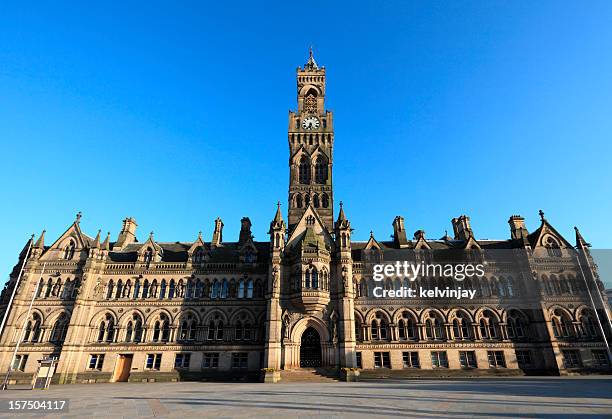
[[58, 334], [407, 327], [379, 327], [304, 170], [69, 250], [324, 201], [162, 289], [434, 327], [489, 326], [321, 170], [249, 289]]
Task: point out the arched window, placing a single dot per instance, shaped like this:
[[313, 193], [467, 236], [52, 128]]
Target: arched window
[[32, 332], [110, 290], [69, 250], [552, 246], [134, 329], [148, 255], [215, 329], [434, 327], [199, 289], [129, 331], [153, 289], [462, 327], [137, 329], [136, 288], [241, 289], [106, 331], [165, 328], [489, 326], [188, 328], [516, 325], [249, 288], [156, 331], [49, 288], [189, 293], [321, 170], [324, 201], [224, 288], [127, 289], [58, 334], [307, 275], [162, 289], [145, 289], [120, 288], [304, 170], [407, 327], [379, 327], [298, 201], [215, 289], [589, 327], [315, 278], [242, 328], [172, 289]]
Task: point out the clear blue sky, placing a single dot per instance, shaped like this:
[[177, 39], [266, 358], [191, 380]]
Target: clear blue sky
[[177, 114]]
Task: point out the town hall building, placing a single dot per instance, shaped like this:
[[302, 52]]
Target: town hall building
[[124, 309]]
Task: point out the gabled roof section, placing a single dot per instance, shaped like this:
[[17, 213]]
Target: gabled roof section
[[82, 241], [310, 219], [538, 237], [150, 242], [420, 241], [372, 243], [198, 243]]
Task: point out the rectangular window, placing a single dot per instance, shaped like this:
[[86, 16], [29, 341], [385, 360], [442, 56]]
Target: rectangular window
[[182, 360], [523, 357], [600, 358], [358, 358], [467, 359], [96, 361], [20, 362], [153, 361], [211, 360], [439, 359], [240, 360], [382, 360], [496, 359], [411, 359], [571, 359]]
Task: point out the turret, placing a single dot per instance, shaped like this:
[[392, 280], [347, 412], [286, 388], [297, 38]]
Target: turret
[[277, 230], [343, 230]]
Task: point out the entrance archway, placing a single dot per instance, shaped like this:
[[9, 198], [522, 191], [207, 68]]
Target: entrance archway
[[310, 349]]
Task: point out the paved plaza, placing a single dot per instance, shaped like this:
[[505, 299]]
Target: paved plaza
[[475, 398]]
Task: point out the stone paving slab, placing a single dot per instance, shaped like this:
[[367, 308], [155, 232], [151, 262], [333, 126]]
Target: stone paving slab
[[424, 398]]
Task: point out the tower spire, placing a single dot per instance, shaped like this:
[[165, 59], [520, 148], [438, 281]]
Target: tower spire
[[311, 64]]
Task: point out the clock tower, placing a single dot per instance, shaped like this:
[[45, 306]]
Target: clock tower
[[311, 143]]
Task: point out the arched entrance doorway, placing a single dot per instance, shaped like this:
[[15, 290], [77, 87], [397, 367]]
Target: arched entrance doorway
[[310, 349]]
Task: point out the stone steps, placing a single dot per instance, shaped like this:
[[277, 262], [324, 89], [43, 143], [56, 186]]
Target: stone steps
[[309, 375]]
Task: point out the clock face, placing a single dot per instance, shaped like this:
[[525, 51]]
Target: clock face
[[310, 122]]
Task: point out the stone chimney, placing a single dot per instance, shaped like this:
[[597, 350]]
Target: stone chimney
[[128, 233], [517, 227], [245, 230], [462, 228], [399, 232], [217, 238]]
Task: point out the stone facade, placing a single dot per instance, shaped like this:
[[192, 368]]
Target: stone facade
[[150, 311]]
